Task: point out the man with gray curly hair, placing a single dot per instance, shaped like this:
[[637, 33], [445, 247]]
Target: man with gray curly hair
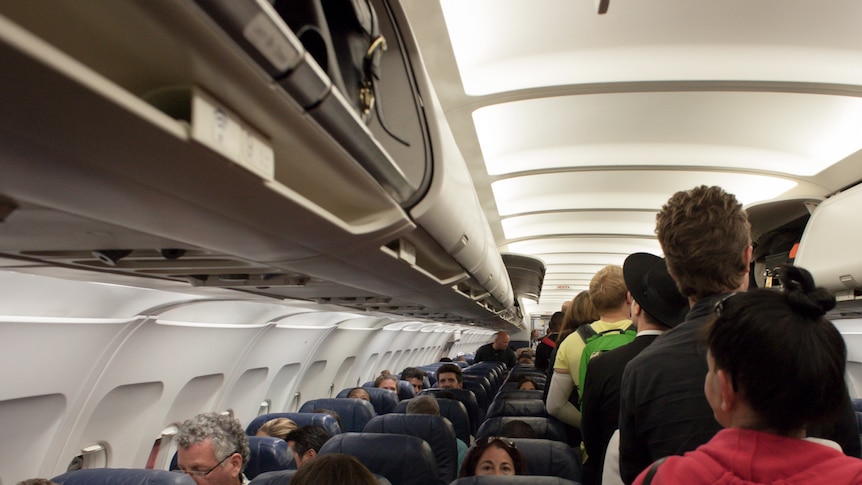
[[212, 449]]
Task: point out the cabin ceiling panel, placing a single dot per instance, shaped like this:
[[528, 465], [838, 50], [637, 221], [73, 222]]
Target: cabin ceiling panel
[[792, 133], [638, 189], [561, 42], [586, 222]]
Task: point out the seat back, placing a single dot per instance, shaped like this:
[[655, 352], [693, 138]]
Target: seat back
[[545, 428], [354, 413], [450, 409], [513, 480], [434, 430], [401, 459], [467, 398], [126, 476], [265, 454], [516, 407], [474, 384], [280, 477], [549, 458], [325, 421], [382, 400], [517, 394]]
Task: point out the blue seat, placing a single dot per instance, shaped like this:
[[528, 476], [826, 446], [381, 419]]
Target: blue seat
[[550, 458], [517, 407], [452, 410], [405, 389], [280, 477], [517, 394], [265, 454], [126, 476], [325, 421], [434, 430], [513, 480], [481, 387], [383, 401], [401, 459], [545, 428], [355, 413], [468, 399]]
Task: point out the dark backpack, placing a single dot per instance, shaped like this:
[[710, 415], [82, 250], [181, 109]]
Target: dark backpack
[[596, 343]]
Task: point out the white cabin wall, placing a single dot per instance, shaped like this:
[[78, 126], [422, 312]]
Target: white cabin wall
[[102, 364]]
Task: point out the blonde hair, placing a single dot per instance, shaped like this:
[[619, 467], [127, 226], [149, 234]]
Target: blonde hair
[[278, 427], [608, 289]]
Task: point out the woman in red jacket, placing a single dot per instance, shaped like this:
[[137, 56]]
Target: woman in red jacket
[[776, 367]]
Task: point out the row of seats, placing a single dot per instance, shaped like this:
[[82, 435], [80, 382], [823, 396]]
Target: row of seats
[[112, 476]]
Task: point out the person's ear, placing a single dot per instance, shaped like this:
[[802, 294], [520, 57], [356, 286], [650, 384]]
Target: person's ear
[[728, 394], [309, 455], [235, 462]]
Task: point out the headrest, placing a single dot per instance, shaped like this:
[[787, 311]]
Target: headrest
[[354, 413], [513, 480], [517, 407], [383, 401], [126, 476], [517, 394], [279, 477], [549, 458], [325, 421], [267, 454], [545, 428], [437, 431], [450, 409], [467, 398], [387, 454]]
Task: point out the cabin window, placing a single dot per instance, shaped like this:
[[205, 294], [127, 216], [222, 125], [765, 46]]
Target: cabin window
[[282, 392], [342, 373], [163, 448]]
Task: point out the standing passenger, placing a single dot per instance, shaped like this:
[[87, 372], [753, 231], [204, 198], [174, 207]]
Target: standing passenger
[[657, 306], [498, 350], [766, 388], [549, 342], [609, 295]]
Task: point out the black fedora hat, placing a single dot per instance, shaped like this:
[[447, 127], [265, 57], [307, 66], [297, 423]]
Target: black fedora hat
[[652, 287]]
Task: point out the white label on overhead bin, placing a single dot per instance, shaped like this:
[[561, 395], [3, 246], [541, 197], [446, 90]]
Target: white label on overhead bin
[[272, 42], [221, 130]]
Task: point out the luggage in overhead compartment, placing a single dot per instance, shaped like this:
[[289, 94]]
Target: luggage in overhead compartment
[[359, 45], [347, 64]]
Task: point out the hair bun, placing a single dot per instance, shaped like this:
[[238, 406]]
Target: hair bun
[[801, 294]]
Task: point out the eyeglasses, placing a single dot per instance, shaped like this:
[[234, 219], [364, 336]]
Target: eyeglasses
[[719, 306], [506, 442], [199, 474]]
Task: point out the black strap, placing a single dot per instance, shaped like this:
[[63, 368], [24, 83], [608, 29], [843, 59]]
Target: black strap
[[652, 470]]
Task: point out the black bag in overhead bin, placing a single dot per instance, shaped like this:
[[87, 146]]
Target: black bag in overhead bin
[[344, 37]]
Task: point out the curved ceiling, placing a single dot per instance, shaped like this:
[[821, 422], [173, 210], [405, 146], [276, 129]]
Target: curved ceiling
[[577, 126]]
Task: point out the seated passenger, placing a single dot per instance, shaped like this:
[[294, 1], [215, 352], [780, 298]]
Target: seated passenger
[[277, 428], [334, 469], [213, 447], [359, 393], [387, 381], [305, 442], [776, 366], [450, 376], [525, 358], [527, 384], [493, 456], [517, 429], [415, 377], [428, 405], [333, 414]]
